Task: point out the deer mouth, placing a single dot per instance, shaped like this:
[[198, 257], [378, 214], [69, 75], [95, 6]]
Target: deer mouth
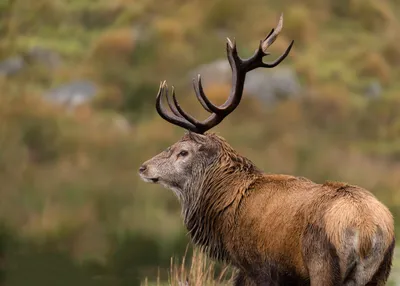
[[149, 180], [153, 180]]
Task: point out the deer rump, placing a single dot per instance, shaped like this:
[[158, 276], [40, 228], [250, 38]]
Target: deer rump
[[287, 230]]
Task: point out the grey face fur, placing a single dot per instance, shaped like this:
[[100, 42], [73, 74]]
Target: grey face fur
[[179, 165]]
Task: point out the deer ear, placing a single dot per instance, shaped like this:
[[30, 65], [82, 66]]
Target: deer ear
[[209, 151]]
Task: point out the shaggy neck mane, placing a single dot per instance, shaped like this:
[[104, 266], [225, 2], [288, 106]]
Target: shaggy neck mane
[[215, 195]]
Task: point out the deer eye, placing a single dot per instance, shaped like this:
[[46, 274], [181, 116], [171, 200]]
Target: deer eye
[[183, 153]]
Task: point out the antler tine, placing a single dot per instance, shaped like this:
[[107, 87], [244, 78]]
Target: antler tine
[[270, 33], [185, 115], [198, 95], [174, 119], [179, 116], [201, 96], [171, 104], [270, 39], [256, 61], [280, 59]]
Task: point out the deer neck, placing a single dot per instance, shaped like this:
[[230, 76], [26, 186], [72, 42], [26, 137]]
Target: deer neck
[[215, 197]]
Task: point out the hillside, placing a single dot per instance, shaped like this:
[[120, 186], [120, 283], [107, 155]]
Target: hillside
[[77, 118]]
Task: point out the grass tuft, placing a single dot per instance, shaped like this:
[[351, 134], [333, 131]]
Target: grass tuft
[[201, 271]]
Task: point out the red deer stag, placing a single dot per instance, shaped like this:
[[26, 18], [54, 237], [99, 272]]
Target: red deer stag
[[275, 229]]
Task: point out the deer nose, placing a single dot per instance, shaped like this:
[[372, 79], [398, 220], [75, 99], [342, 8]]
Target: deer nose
[[142, 168]]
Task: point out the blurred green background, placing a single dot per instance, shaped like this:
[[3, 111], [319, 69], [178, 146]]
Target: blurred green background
[[78, 81]]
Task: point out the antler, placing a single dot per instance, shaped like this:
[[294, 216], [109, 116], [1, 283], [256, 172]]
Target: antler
[[240, 67]]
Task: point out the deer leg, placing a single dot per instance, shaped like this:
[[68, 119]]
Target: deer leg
[[382, 274], [321, 258]]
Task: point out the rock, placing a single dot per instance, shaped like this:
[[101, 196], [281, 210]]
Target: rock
[[11, 66], [373, 90], [72, 94], [267, 85], [270, 85], [44, 56]]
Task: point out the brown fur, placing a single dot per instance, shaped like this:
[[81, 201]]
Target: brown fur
[[280, 229]]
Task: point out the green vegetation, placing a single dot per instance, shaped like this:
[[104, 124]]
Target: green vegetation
[[73, 209]]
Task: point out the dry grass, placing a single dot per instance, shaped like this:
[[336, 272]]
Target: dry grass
[[201, 272], [391, 51], [374, 65]]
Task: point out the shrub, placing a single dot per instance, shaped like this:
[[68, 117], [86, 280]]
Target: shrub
[[373, 15], [391, 51], [299, 25], [224, 14], [114, 45], [374, 65]]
